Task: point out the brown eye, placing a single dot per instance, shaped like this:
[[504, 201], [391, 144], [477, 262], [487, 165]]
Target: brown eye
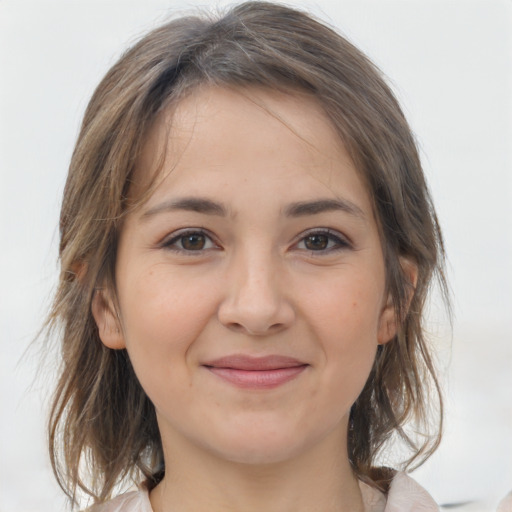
[[316, 242], [193, 242], [323, 242], [189, 241]]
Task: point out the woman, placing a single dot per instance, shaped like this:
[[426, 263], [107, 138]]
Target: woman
[[247, 243]]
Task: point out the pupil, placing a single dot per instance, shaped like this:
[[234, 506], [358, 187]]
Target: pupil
[[316, 242], [193, 242]]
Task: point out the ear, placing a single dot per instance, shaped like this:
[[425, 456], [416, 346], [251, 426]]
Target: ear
[[106, 319], [388, 322]]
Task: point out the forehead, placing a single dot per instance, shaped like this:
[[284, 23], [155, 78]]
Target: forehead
[[248, 130]]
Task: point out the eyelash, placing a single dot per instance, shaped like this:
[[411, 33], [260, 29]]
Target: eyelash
[[335, 242], [171, 243]]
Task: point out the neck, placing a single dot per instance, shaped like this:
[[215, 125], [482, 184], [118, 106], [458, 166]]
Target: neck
[[318, 480]]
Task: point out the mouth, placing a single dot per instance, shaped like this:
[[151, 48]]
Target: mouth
[[256, 372]]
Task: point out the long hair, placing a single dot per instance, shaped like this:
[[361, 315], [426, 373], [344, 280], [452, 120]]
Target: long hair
[[100, 417]]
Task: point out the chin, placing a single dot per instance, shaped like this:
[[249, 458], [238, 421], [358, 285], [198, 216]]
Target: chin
[[259, 454], [262, 443]]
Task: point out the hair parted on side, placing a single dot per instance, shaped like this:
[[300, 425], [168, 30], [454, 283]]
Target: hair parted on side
[[100, 415]]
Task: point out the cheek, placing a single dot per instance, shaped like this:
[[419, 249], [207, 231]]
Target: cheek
[[346, 318], [348, 309], [162, 314]]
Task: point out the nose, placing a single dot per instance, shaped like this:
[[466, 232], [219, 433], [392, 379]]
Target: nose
[[255, 301]]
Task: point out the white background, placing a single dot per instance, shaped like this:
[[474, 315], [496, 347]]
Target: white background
[[450, 63]]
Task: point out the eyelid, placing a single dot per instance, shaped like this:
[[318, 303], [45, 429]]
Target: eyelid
[[343, 242], [171, 239]]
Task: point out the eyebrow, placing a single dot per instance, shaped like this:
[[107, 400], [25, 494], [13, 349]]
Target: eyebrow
[[190, 204], [304, 208], [298, 209]]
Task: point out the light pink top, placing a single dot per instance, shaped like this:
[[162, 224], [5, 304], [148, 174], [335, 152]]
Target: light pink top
[[505, 504], [405, 495]]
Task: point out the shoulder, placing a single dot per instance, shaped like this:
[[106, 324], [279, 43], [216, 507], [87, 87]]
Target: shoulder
[[405, 494], [134, 501], [505, 504]]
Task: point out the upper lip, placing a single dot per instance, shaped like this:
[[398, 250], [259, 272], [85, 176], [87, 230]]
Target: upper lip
[[245, 362]]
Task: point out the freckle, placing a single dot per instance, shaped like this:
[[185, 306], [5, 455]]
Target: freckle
[[354, 304]]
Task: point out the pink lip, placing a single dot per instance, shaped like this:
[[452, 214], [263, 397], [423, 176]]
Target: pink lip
[[256, 372]]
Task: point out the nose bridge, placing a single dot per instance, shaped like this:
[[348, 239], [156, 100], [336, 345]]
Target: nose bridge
[[255, 300], [258, 278]]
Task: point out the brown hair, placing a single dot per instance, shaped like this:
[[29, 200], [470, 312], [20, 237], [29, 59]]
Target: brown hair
[[100, 413]]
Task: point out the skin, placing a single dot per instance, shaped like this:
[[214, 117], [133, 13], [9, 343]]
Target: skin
[[259, 279]]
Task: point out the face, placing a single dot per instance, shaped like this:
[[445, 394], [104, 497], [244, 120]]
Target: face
[[251, 285]]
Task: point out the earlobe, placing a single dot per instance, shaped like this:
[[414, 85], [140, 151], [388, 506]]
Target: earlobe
[[387, 323], [106, 319]]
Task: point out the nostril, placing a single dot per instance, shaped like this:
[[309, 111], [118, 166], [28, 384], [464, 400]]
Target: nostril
[[236, 327], [252, 330]]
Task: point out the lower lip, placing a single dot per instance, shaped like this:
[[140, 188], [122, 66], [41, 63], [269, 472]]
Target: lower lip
[[258, 379]]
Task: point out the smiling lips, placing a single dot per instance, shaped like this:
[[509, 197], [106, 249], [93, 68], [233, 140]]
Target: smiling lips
[[256, 372]]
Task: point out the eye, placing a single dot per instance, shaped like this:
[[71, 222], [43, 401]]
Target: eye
[[318, 241], [189, 241]]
